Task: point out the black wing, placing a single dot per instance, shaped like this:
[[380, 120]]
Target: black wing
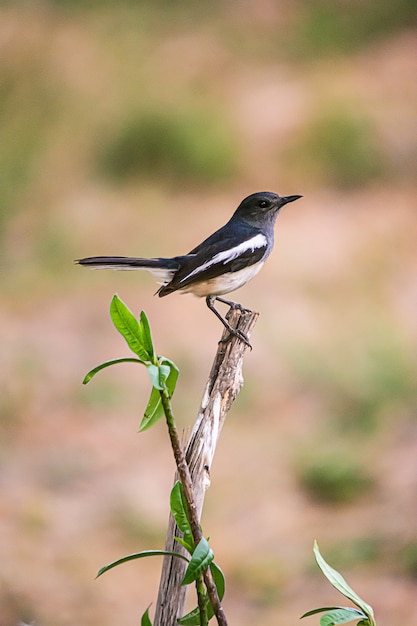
[[229, 249]]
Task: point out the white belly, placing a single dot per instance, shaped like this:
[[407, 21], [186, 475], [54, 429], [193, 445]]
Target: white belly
[[223, 284]]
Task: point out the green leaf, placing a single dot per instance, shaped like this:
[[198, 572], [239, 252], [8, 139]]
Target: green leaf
[[154, 410], [128, 326], [341, 585], [184, 544], [146, 335], [340, 616], [159, 375], [172, 377], [321, 610], [164, 371], [94, 371], [146, 621], [139, 555], [154, 373], [336, 615], [200, 560], [179, 512], [193, 617], [218, 578]]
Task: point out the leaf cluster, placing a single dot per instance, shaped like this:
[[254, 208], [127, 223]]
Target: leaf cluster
[[334, 615], [162, 371], [201, 558]]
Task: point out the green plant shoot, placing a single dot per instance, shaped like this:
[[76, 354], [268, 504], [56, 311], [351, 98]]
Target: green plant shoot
[[164, 374], [339, 614], [201, 558], [162, 371]]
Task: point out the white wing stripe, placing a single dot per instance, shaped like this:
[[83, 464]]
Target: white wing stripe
[[258, 241]]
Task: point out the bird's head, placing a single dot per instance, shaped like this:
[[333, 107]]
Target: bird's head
[[261, 206]]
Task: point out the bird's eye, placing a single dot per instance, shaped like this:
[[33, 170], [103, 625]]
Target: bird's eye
[[263, 204]]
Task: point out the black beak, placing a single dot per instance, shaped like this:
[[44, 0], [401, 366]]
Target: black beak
[[287, 199]]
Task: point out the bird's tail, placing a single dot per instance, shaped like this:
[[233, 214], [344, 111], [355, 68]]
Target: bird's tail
[[163, 269]]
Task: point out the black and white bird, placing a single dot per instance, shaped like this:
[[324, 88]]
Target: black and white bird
[[220, 264]]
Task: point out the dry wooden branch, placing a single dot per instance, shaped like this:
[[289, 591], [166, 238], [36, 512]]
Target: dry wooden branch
[[223, 385]]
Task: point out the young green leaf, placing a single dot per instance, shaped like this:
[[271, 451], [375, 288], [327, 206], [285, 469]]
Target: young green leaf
[[146, 335], [153, 371], [128, 326], [200, 560], [164, 371], [154, 410], [159, 375], [340, 616], [341, 585], [184, 544], [94, 371], [139, 555], [218, 578], [179, 512], [193, 617], [320, 610], [146, 621], [172, 374]]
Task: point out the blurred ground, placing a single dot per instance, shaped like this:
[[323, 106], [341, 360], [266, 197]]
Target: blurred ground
[[137, 130]]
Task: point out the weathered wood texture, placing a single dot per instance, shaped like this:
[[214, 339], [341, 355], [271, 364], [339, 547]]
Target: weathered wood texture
[[223, 385]]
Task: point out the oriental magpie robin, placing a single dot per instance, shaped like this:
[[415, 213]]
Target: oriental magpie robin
[[222, 263]]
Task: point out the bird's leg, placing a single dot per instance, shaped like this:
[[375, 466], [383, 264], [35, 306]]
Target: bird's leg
[[233, 305], [233, 331]]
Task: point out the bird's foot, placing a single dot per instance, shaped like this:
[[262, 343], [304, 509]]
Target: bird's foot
[[232, 331], [235, 332]]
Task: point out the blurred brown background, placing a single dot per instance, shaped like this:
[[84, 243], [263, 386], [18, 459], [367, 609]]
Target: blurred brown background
[[136, 128]]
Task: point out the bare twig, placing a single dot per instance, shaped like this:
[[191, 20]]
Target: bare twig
[[223, 385]]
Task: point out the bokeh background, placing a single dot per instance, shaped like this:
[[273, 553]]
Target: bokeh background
[[136, 128]]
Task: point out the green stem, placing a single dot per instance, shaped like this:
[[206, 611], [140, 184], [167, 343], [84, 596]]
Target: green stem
[[187, 485], [202, 601]]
